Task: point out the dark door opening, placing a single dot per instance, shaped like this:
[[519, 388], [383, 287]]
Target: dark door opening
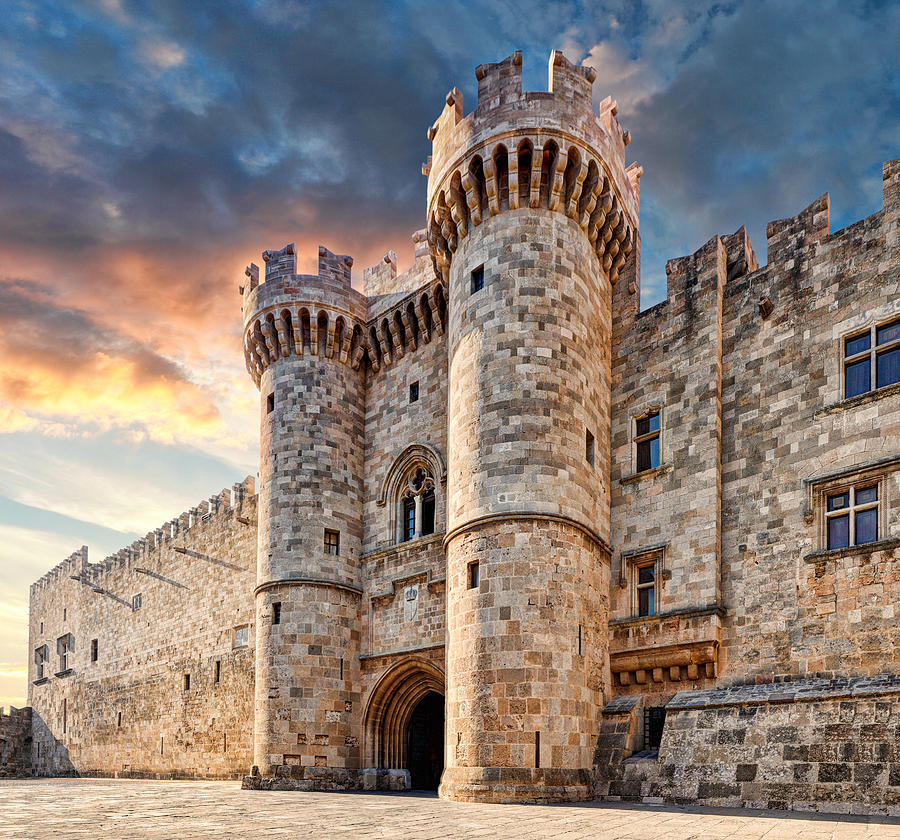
[[425, 743]]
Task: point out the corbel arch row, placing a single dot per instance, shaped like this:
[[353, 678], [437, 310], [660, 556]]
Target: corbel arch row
[[538, 172]]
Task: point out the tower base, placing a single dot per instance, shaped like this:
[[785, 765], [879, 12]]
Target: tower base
[[516, 784]]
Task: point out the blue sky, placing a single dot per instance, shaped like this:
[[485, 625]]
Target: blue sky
[[149, 151]]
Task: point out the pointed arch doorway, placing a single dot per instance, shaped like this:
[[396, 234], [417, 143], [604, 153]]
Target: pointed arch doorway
[[404, 723]]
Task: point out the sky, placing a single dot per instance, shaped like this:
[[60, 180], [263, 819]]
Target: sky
[[150, 150]]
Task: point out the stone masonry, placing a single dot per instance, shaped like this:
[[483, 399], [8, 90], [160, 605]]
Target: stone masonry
[[606, 542]]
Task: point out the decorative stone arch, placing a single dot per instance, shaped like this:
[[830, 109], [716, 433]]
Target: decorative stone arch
[[391, 703], [415, 456]]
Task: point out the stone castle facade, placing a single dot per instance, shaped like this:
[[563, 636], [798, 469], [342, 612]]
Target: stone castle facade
[[513, 536]]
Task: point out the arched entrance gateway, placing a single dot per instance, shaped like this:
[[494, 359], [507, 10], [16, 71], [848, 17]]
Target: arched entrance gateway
[[404, 726]]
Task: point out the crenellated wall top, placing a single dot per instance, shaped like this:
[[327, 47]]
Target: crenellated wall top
[[505, 114], [238, 501]]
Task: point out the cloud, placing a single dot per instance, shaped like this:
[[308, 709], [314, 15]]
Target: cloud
[[56, 365], [161, 54]]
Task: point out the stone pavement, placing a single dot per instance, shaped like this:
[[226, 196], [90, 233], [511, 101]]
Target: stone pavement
[[92, 808]]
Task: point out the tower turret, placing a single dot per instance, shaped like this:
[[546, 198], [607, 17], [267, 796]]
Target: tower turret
[[531, 216], [303, 347]]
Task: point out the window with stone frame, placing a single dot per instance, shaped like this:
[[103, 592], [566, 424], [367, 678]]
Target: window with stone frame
[[241, 636], [417, 505], [850, 507], [643, 573], [851, 516], [332, 542], [647, 440], [645, 588], [871, 358], [65, 645], [41, 658]]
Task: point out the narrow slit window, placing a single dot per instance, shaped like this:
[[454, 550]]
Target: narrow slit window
[[474, 576], [589, 447], [646, 437], [332, 542], [95, 645], [218, 672], [276, 613], [414, 392], [187, 682], [537, 749], [428, 513], [477, 279], [270, 403], [119, 721], [409, 518]]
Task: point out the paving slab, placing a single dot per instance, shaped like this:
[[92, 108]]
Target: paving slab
[[76, 809]]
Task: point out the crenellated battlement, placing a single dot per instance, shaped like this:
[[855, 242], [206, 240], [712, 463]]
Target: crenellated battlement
[[292, 314], [238, 501], [537, 150]]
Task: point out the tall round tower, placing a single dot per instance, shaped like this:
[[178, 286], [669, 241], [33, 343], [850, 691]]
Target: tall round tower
[[531, 215], [303, 349]]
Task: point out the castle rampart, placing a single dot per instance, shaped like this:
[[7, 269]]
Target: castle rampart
[[114, 642], [606, 543]]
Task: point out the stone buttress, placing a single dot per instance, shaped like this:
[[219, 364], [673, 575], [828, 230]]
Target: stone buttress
[[303, 349], [531, 216]]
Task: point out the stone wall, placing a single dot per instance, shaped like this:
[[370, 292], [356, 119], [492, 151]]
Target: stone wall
[[795, 609], [131, 712], [15, 743], [809, 745]]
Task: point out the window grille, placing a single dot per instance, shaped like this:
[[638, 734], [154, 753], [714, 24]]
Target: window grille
[[654, 721]]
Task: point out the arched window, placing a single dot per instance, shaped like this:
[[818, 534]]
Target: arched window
[[417, 505]]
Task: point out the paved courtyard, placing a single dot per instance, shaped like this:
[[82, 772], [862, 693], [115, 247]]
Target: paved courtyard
[[94, 808]]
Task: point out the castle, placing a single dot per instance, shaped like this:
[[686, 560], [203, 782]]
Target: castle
[[514, 538]]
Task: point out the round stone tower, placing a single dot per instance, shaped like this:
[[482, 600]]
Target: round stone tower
[[531, 215], [303, 347]]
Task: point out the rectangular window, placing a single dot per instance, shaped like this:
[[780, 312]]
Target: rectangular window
[[654, 723], [218, 675], [94, 649], [41, 656], [409, 519], [119, 720], [241, 636], [64, 648], [187, 682], [851, 516], [65, 715], [276, 613], [879, 348], [65, 612], [414, 392], [477, 279], [136, 602], [270, 403], [332, 542], [646, 438], [474, 578], [589, 447], [645, 589]]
